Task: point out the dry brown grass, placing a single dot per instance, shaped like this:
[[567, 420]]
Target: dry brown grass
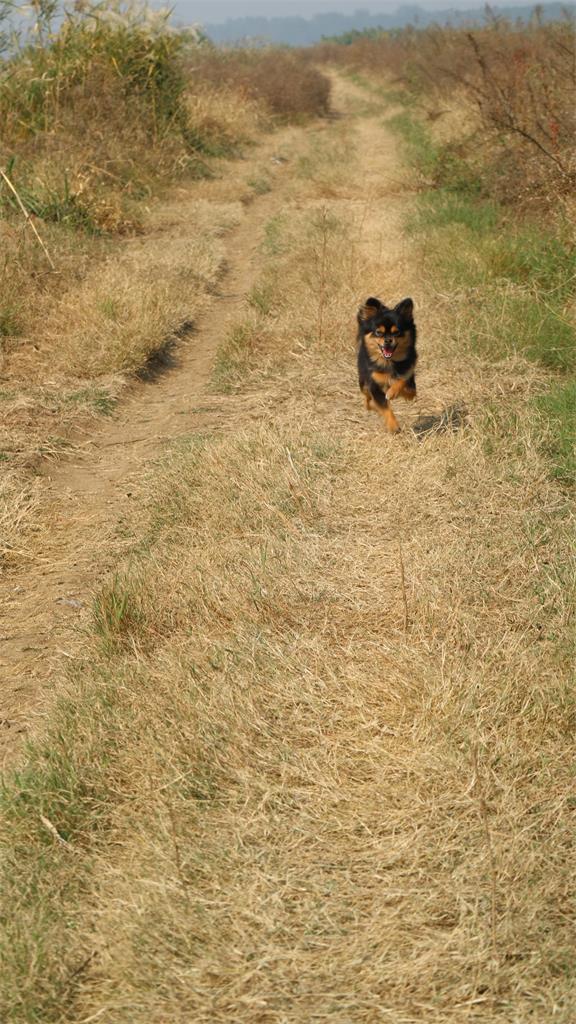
[[324, 785], [17, 505], [296, 826], [224, 117], [275, 802], [517, 81], [80, 348], [288, 86], [98, 120], [114, 321]]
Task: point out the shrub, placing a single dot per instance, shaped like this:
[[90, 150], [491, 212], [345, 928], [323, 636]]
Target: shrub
[[92, 116], [99, 113], [289, 86], [518, 83]]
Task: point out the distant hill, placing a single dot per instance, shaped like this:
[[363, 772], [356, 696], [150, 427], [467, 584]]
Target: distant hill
[[306, 31]]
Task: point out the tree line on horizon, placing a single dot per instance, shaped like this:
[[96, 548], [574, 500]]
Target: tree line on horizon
[[299, 31]]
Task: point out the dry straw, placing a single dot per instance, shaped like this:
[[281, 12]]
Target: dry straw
[[27, 217]]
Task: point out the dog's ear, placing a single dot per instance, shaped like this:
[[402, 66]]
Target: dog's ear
[[369, 309], [405, 309]]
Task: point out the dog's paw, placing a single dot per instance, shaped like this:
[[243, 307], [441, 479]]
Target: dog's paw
[[394, 390], [392, 425]]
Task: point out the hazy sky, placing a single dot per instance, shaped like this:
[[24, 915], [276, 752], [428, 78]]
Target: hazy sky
[[219, 10]]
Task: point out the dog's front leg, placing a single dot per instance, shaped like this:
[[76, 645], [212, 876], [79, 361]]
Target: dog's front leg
[[385, 411], [395, 389]]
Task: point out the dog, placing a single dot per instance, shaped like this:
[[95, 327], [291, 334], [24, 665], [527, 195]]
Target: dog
[[386, 356]]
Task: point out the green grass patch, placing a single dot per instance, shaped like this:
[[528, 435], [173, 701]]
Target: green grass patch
[[540, 332], [558, 407], [523, 275], [53, 813], [536, 258], [10, 323], [259, 186], [274, 242], [519, 277], [117, 613], [421, 150], [54, 203], [440, 164], [97, 399], [519, 281], [441, 208], [261, 297], [401, 97]]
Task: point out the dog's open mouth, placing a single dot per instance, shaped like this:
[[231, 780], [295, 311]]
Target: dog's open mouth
[[387, 350]]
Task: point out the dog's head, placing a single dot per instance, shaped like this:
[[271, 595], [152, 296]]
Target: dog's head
[[389, 329]]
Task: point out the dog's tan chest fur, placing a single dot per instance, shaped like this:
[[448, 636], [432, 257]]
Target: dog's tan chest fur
[[383, 379]]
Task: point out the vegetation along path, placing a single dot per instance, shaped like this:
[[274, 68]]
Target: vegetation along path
[[310, 760]]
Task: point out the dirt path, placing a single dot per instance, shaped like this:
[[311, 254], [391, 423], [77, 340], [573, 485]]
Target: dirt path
[[89, 494]]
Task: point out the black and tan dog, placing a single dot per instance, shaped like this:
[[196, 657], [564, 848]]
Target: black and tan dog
[[386, 355]]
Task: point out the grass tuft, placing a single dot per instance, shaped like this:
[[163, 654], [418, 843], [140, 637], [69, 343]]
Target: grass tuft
[[118, 613], [235, 357]]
